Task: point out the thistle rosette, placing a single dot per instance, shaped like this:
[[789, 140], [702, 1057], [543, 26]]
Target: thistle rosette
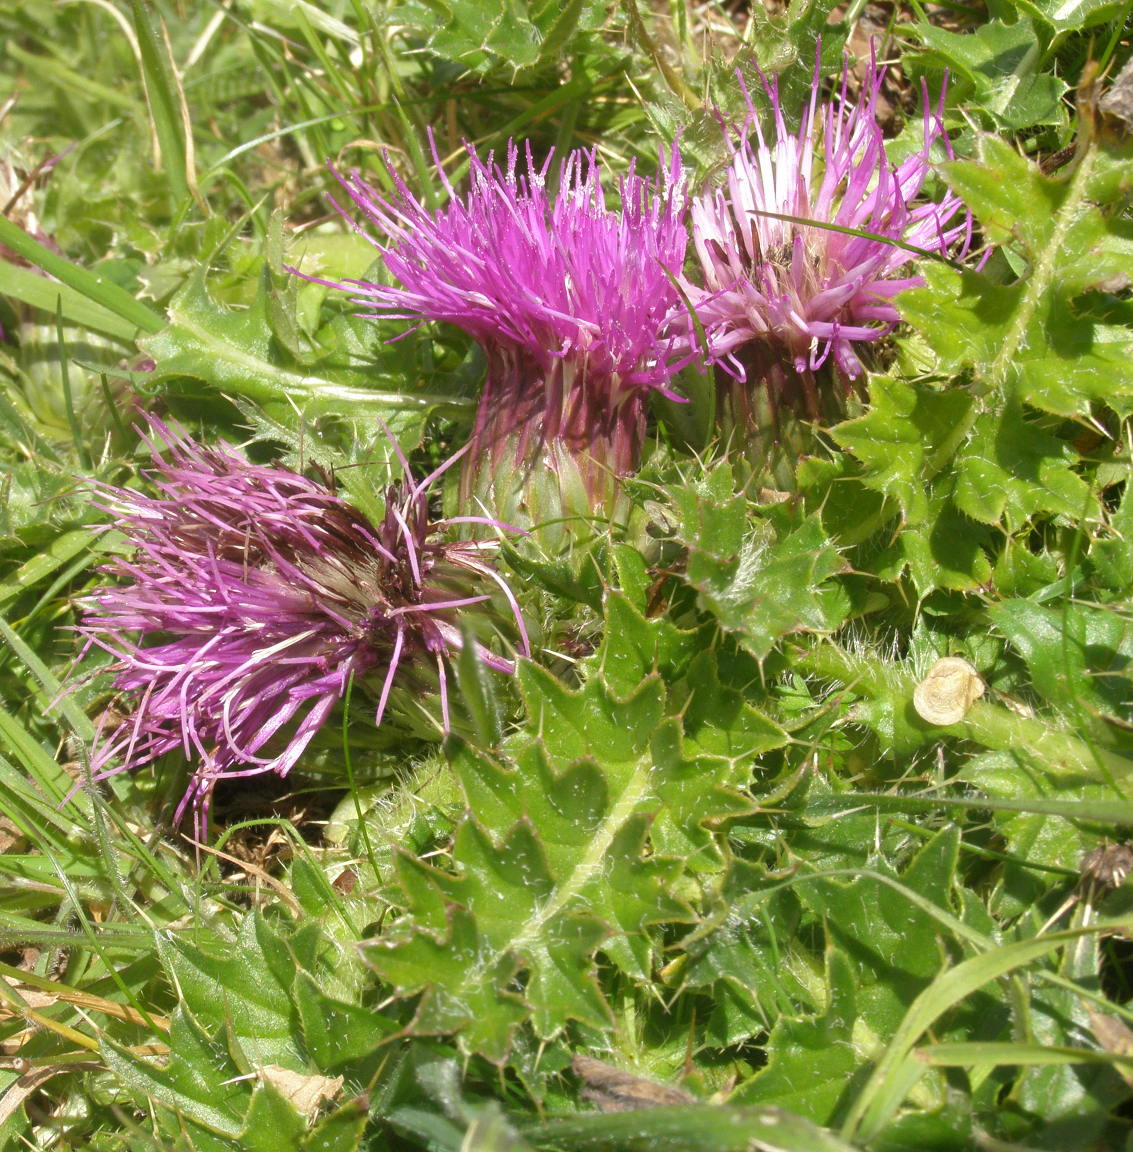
[[574, 303], [255, 596], [810, 238]]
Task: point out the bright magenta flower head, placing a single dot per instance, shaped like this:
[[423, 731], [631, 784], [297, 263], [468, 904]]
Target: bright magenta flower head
[[783, 297], [254, 597], [573, 302]]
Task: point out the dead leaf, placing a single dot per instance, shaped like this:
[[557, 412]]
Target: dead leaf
[[307, 1092], [1115, 1037], [613, 1090], [29, 1083]]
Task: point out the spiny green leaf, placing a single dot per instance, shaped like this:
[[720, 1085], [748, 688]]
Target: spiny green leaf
[[908, 435], [719, 721], [1009, 470], [570, 873], [634, 646], [505, 34], [336, 1032], [949, 550], [1073, 243], [340, 1131], [465, 982], [272, 1123], [758, 583], [811, 1058], [197, 1083], [895, 943], [1111, 555], [246, 983]]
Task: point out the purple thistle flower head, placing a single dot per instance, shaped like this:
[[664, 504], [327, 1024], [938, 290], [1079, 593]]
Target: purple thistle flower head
[[574, 303], [254, 596], [782, 296]]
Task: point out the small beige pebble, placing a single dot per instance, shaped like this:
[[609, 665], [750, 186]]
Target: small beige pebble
[[951, 687]]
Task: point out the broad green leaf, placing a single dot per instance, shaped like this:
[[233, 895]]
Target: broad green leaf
[[750, 964], [998, 66], [717, 720], [1020, 571], [566, 870], [907, 443], [1077, 655], [235, 350]]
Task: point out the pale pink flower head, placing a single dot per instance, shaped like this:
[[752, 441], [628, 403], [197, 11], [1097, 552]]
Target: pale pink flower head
[[574, 302], [782, 296], [255, 596]]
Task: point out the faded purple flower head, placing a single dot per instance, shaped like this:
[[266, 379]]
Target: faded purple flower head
[[254, 596], [573, 302], [783, 297]]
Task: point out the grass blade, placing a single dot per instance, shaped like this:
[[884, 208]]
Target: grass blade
[[167, 106], [94, 287], [897, 1070]]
